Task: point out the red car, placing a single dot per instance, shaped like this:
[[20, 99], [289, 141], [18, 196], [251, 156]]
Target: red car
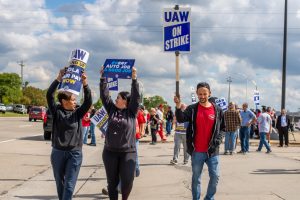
[[37, 112]]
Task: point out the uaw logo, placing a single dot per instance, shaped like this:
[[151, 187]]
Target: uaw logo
[[71, 81]]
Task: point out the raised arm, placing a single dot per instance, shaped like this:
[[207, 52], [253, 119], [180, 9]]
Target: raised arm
[[135, 93], [87, 102], [104, 93], [51, 91]]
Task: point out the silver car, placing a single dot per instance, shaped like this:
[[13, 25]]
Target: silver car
[[2, 108]]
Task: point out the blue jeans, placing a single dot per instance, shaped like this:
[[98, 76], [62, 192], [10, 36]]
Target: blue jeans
[[169, 127], [263, 141], [66, 166], [198, 160], [85, 132], [92, 128], [230, 141], [244, 138]]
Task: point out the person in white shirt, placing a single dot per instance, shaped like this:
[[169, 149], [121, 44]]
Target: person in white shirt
[[264, 127]]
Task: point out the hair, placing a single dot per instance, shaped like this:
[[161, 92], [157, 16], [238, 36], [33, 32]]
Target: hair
[[203, 84], [125, 95], [63, 95], [264, 109]]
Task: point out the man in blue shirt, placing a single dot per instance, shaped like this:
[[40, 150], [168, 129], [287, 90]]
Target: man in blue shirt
[[248, 118]]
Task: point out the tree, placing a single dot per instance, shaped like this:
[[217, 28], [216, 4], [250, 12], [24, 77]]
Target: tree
[[36, 96], [152, 102], [10, 88], [98, 104]]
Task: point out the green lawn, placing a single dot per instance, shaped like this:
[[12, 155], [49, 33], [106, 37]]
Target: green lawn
[[12, 114]]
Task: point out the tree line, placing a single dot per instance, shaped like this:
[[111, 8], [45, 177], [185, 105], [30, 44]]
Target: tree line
[[12, 92]]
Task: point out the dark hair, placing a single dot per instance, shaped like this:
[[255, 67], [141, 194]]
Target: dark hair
[[203, 84], [64, 95], [264, 109], [125, 95]]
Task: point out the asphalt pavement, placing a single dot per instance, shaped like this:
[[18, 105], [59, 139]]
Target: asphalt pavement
[[256, 175]]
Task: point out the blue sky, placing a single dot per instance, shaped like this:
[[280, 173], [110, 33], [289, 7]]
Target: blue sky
[[238, 38]]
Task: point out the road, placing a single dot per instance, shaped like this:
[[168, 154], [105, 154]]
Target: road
[[25, 170]]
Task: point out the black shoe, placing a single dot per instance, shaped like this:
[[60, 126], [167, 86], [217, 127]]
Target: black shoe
[[104, 191], [279, 146], [91, 144]]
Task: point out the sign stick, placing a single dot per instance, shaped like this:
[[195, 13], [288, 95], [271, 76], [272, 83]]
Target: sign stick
[[177, 73]]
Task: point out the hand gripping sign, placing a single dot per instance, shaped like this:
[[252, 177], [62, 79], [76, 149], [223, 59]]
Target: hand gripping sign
[[101, 119], [118, 68], [71, 81]]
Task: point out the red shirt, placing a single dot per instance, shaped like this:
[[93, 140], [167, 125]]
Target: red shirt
[[204, 125], [140, 117], [137, 130], [86, 120]]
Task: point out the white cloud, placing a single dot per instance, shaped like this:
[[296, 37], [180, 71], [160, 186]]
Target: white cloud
[[228, 37]]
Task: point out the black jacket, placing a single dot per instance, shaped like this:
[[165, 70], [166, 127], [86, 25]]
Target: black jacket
[[120, 135], [190, 115], [278, 124], [66, 129]]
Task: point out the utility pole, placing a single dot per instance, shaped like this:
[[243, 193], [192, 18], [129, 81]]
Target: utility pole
[[177, 64], [21, 63], [284, 58], [229, 80]]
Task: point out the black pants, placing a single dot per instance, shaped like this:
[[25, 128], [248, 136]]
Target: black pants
[[119, 166], [153, 135], [283, 132]]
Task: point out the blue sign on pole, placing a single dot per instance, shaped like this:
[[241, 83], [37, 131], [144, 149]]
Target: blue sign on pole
[[177, 29], [112, 84], [256, 97]]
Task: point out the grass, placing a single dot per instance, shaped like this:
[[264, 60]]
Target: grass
[[12, 114]]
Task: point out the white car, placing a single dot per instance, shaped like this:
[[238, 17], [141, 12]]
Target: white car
[[19, 108], [2, 108]]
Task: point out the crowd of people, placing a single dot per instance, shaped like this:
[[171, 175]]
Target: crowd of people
[[199, 128]]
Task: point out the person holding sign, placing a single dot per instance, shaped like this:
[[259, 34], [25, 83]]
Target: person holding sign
[[203, 134], [119, 153], [66, 155]]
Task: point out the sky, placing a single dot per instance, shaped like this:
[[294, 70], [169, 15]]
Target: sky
[[241, 39]]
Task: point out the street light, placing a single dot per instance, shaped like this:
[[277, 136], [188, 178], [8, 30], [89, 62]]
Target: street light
[[229, 80], [247, 79]]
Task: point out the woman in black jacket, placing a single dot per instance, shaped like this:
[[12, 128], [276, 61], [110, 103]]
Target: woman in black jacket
[[66, 156], [119, 153]]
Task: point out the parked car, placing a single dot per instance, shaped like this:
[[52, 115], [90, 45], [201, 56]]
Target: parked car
[[19, 108], [2, 108], [10, 107], [47, 126], [37, 113]]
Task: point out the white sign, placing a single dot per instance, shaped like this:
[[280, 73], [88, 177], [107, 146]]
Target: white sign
[[256, 97], [222, 103], [101, 118], [177, 26]]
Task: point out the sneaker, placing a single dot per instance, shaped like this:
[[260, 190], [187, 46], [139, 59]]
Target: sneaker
[[152, 143], [258, 150], [230, 152], [269, 151], [240, 151], [174, 162], [226, 152], [91, 144], [279, 146], [104, 191], [286, 145]]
